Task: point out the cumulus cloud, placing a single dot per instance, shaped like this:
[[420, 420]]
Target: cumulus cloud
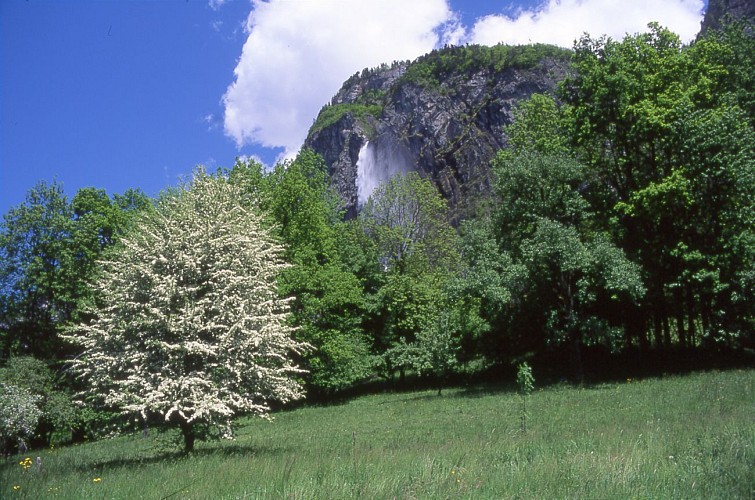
[[298, 53], [560, 22]]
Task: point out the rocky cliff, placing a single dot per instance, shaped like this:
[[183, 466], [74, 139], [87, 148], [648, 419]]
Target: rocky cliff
[[442, 115], [721, 11]]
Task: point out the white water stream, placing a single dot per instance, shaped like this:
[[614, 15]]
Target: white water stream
[[376, 164]]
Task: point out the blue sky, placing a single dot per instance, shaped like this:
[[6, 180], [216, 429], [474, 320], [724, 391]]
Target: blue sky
[[137, 93]]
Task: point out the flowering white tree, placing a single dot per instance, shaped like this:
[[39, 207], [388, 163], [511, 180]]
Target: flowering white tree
[[19, 413], [189, 325]]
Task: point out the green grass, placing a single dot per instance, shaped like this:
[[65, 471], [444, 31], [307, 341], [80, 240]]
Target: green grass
[[676, 437]]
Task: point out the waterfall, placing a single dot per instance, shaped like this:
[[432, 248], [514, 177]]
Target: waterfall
[[377, 163], [367, 174]]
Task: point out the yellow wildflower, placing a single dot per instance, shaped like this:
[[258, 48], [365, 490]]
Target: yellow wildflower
[[96, 479]]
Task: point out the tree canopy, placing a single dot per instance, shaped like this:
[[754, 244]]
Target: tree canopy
[[666, 138]]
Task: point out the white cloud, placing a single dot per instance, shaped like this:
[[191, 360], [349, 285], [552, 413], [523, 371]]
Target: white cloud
[[560, 22], [212, 121], [254, 158], [216, 4], [298, 54]]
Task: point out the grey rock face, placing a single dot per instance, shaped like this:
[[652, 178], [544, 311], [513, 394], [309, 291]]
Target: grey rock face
[[447, 129], [339, 145], [720, 11]]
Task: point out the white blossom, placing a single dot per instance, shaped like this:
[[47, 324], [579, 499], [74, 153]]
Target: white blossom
[[19, 412], [190, 325]]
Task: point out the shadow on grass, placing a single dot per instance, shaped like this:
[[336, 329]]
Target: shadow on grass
[[162, 457], [423, 397], [457, 385], [601, 370]]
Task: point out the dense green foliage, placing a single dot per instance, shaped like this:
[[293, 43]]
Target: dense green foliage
[[433, 69], [328, 297], [570, 278], [675, 437], [325, 279], [57, 411], [37, 272], [49, 247], [669, 155], [48, 250], [418, 319], [331, 114]]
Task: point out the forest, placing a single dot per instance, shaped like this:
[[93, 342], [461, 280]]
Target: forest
[[619, 238]]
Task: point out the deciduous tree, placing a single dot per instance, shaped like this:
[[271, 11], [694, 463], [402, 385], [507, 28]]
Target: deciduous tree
[[188, 325], [328, 302], [35, 257], [669, 161], [48, 250], [418, 252]]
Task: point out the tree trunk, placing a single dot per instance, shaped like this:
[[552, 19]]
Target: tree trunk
[[679, 307], [441, 382], [691, 314], [187, 428], [637, 325], [666, 330], [577, 365], [706, 312], [658, 327]]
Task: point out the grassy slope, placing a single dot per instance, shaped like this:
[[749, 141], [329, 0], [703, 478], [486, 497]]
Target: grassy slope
[[677, 437]]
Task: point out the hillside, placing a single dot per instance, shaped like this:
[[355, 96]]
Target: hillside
[[676, 437]]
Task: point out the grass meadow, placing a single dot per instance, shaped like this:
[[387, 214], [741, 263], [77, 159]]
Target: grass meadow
[[687, 436]]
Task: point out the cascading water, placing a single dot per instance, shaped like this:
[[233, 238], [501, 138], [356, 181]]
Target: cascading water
[[377, 163], [367, 175]]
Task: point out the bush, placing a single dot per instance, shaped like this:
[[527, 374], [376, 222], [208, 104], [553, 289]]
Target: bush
[[57, 410], [19, 414]]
